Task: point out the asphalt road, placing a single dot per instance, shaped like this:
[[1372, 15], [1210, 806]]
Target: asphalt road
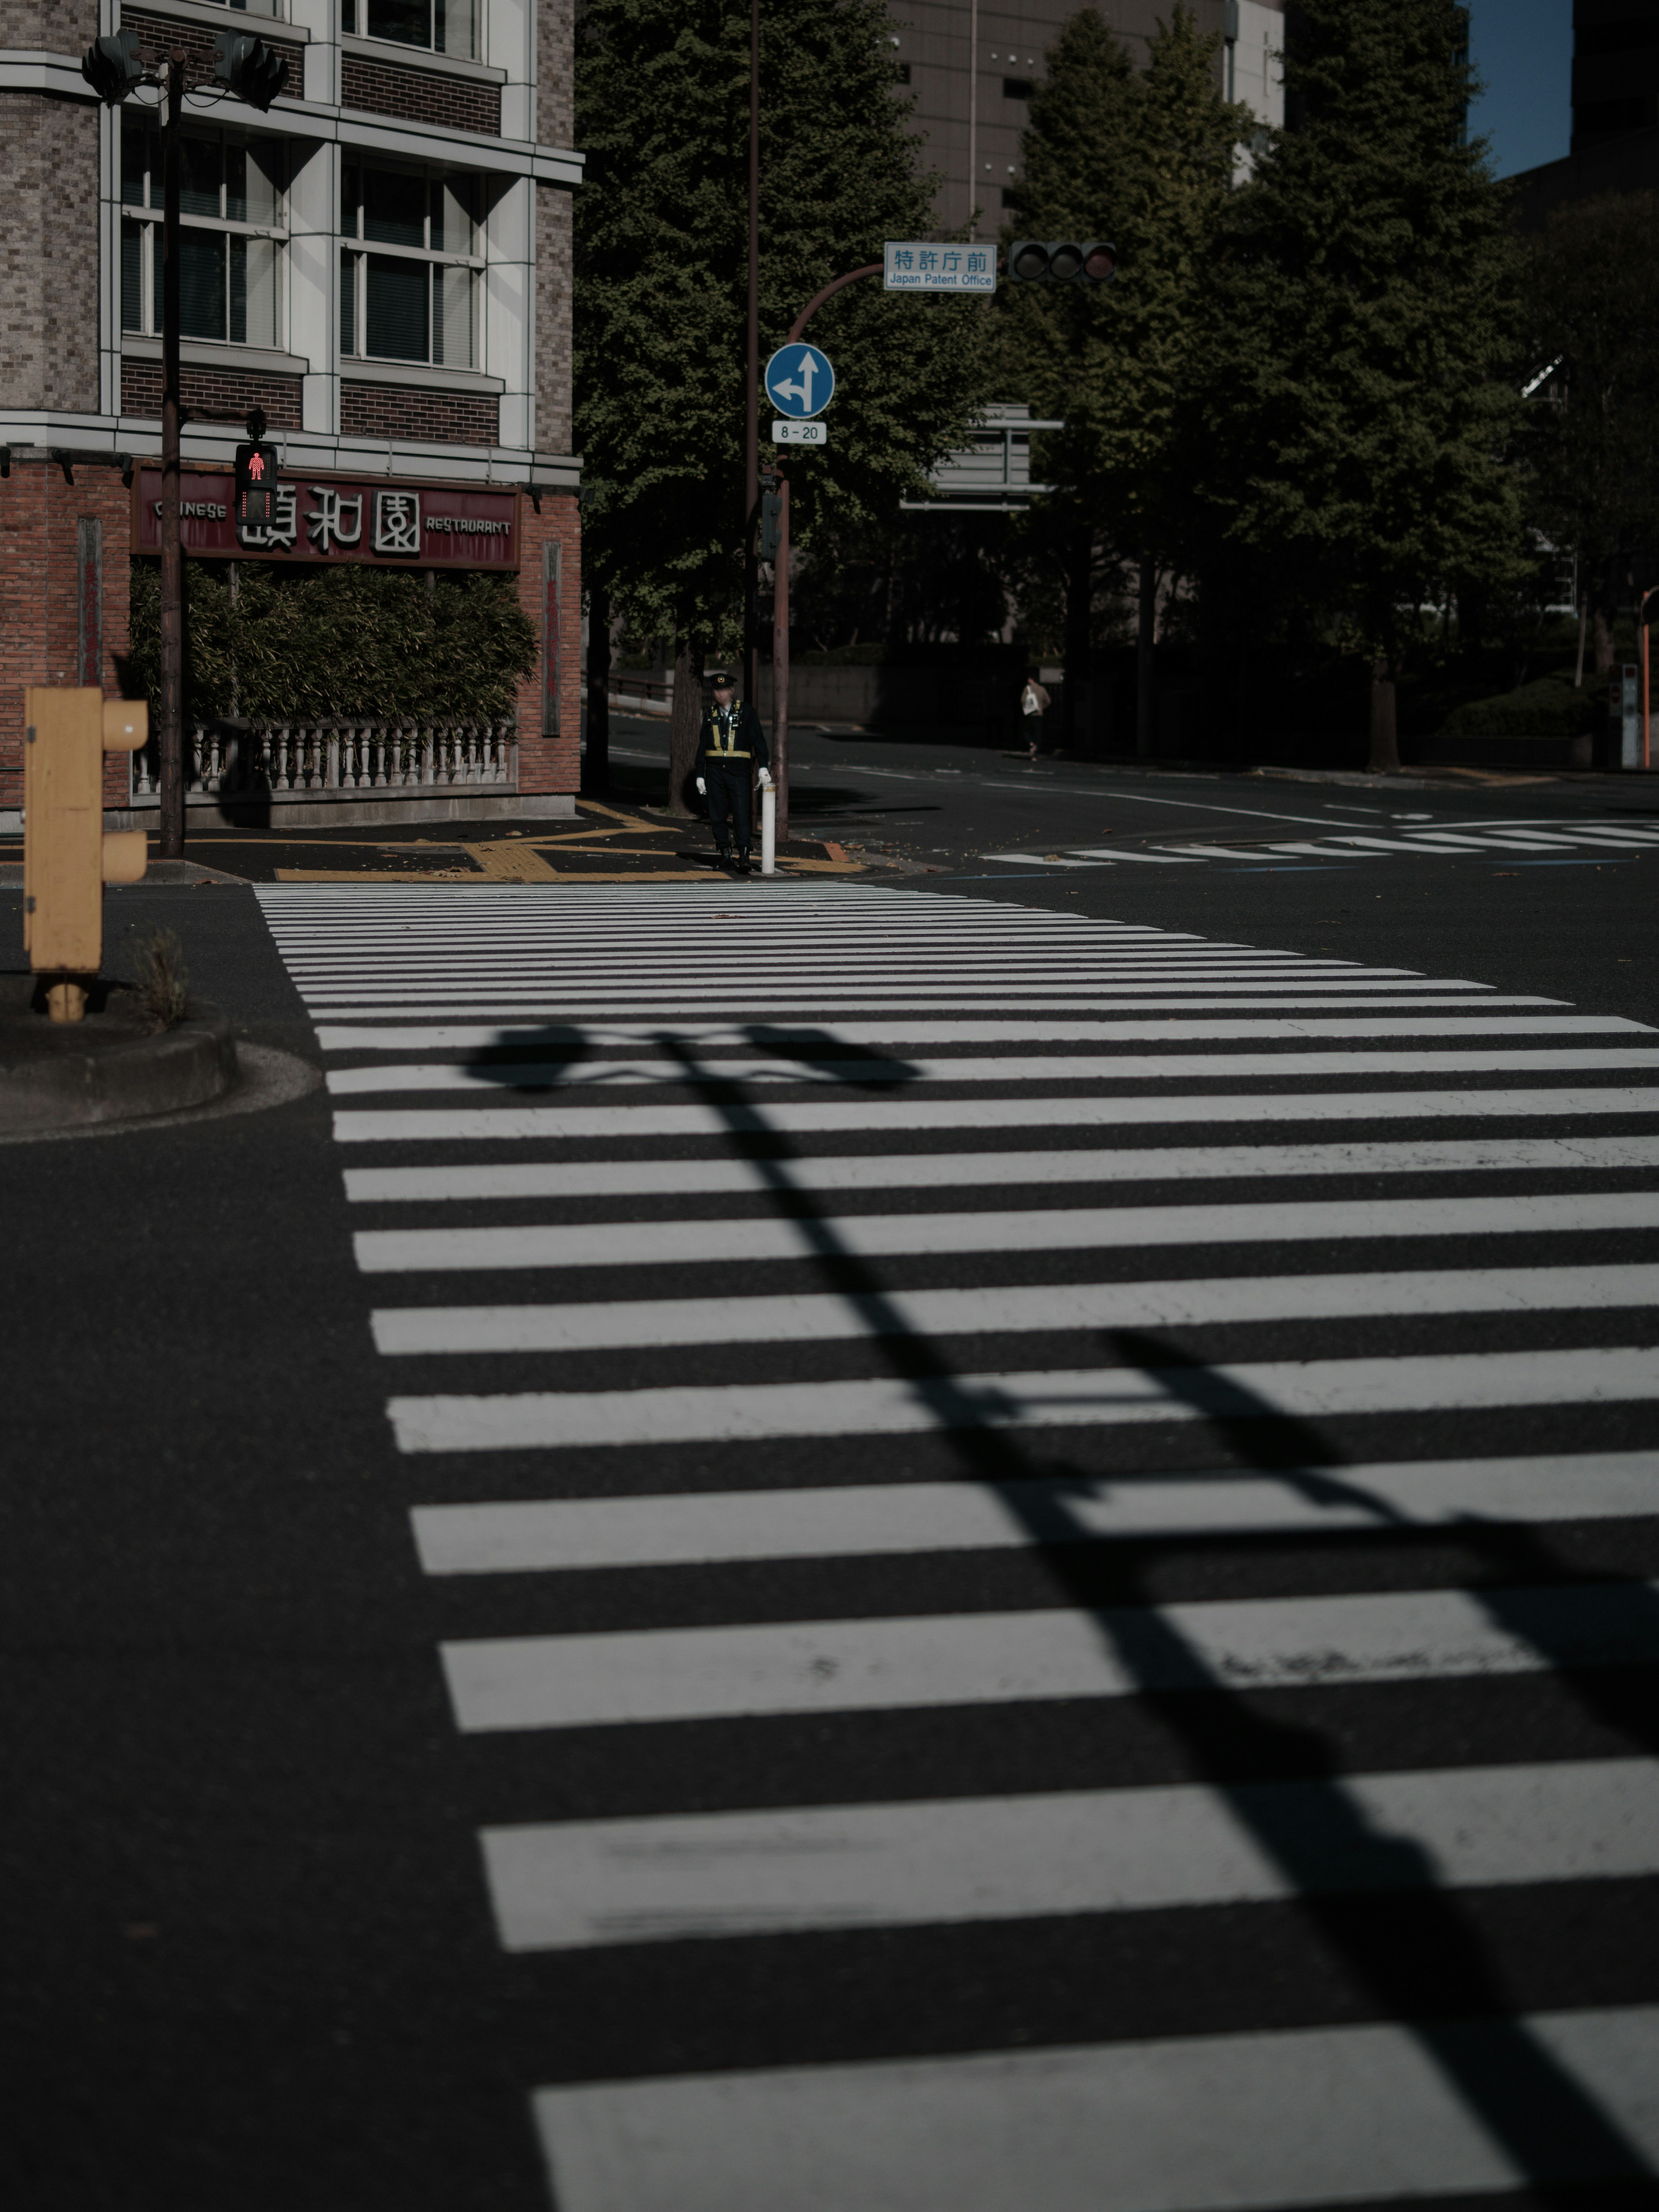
[[255, 1947]]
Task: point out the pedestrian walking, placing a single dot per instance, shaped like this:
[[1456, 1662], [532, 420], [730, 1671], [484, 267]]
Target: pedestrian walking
[[1034, 705], [731, 745]]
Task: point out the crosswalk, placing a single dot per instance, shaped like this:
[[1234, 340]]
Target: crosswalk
[[1528, 843], [1054, 1526]]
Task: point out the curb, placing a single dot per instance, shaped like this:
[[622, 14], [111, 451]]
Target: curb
[[121, 1080]]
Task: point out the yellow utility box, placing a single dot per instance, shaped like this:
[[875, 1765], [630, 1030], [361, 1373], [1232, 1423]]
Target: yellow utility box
[[67, 857]]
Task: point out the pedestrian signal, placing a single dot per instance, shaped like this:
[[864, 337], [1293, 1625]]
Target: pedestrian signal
[[256, 486], [1061, 261]]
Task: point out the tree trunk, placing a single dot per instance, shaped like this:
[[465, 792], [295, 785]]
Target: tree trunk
[[596, 761], [1080, 595], [1385, 748], [1603, 632], [682, 726], [1146, 663]]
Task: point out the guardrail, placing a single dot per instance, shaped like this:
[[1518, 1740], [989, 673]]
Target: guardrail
[[326, 759]]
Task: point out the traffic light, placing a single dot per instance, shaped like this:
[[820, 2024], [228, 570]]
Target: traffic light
[[111, 67], [1061, 261], [771, 524], [256, 486], [248, 67], [68, 856]]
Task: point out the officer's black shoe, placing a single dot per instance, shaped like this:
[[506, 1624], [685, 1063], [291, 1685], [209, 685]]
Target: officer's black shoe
[[743, 866], [722, 856]]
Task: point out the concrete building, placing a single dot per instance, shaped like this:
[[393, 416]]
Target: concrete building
[[972, 65], [1615, 110], [382, 264]]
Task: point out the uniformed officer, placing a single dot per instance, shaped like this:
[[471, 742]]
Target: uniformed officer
[[731, 743]]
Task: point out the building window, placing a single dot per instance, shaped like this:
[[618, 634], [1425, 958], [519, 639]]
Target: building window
[[411, 266], [1600, 118], [233, 230], [904, 72], [443, 26], [1016, 87], [1632, 36], [252, 7]]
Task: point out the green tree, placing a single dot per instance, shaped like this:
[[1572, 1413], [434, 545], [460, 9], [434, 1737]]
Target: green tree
[[1362, 337], [1592, 293], [662, 91], [1147, 160]]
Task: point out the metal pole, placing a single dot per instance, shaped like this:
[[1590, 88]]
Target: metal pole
[[1647, 699], [752, 381], [781, 660], [170, 735]]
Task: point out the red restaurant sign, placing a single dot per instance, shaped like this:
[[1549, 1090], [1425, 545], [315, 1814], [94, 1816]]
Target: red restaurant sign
[[337, 519]]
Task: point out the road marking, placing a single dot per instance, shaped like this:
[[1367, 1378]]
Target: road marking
[[800, 1870], [683, 1529], [1056, 1398], [800, 1117], [941, 1170], [934, 1660], [1026, 1229], [818, 1067], [586, 1325], [477, 1037], [1249, 2123]]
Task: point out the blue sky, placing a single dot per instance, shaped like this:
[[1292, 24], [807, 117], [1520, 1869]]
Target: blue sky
[[1523, 50]]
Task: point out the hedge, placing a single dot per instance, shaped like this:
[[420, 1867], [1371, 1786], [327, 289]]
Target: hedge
[[328, 644]]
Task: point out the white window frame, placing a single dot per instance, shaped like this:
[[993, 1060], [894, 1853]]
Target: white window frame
[[354, 19], [149, 216], [354, 344]]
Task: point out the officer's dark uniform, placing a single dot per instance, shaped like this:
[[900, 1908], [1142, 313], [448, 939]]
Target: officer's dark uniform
[[731, 745]]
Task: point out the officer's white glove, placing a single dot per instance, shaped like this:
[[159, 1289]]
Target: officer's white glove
[[766, 775], [702, 788]]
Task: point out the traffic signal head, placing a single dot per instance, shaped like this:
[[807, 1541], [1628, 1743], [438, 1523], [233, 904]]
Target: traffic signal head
[[111, 67], [68, 858], [1061, 261], [248, 68], [256, 486], [771, 524]]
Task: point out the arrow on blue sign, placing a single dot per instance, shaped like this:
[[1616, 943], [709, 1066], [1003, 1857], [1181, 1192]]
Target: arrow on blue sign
[[799, 381]]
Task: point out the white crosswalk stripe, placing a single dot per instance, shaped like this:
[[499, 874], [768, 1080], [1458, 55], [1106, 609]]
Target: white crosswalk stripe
[[1586, 840], [885, 1422]]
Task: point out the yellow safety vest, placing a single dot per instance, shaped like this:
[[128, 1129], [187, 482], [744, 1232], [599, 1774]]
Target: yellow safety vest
[[723, 723]]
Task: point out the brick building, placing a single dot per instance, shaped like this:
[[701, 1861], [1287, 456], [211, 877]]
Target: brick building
[[382, 264]]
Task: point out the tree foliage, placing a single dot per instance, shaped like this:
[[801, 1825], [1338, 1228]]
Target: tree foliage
[[324, 644], [1147, 161], [1592, 295], [661, 276], [1360, 410]]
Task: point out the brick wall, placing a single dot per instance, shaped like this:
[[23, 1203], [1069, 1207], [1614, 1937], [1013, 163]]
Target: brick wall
[[39, 612], [392, 411], [49, 253], [420, 95], [50, 27], [549, 762], [555, 60], [160, 34], [554, 270], [219, 391]]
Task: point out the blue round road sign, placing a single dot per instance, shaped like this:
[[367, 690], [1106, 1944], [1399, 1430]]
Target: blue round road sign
[[799, 381]]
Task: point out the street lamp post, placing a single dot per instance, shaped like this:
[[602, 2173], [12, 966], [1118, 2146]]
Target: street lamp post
[[250, 71]]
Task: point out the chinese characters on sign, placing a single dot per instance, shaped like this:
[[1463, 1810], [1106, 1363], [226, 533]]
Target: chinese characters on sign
[[438, 525], [913, 266]]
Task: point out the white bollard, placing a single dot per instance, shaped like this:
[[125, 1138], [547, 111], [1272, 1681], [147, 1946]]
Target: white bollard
[[768, 829]]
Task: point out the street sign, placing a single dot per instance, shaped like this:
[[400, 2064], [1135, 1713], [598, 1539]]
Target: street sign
[[916, 265], [799, 381], [800, 434]]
